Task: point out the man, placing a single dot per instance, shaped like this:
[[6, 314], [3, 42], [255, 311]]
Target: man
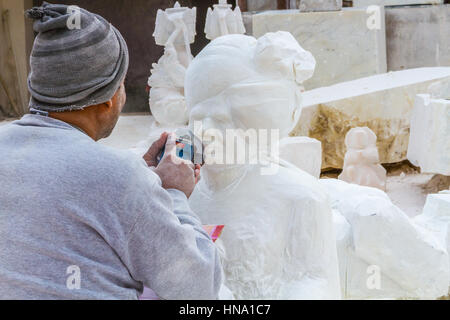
[[79, 220]]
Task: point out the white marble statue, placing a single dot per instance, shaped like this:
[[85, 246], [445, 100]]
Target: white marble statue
[[383, 254], [362, 163], [222, 20], [175, 30], [278, 241]]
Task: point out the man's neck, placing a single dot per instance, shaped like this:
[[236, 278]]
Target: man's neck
[[78, 120]]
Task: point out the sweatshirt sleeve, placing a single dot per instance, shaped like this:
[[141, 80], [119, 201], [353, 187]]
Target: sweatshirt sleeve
[[169, 251]]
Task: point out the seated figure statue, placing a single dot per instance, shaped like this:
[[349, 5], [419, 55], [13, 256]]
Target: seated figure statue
[[278, 241], [362, 163], [175, 30]]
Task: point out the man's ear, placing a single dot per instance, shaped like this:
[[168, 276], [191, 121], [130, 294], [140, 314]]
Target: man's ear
[[108, 104]]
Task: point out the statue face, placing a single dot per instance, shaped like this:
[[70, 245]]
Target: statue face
[[360, 138], [240, 112]]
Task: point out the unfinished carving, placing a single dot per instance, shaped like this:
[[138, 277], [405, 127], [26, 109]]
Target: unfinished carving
[[278, 240], [222, 20], [362, 163], [175, 29]]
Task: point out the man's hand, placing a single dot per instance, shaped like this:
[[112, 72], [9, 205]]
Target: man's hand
[[151, 156], [175, 173]]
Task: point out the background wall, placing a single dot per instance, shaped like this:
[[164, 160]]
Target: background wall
[[13, 57]]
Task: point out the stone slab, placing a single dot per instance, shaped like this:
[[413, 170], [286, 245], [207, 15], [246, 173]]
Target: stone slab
[[261, 5], [429, 142], [247, 18], [343, 45], [318, 5], [418, 36], [383, 103], [366, 3]]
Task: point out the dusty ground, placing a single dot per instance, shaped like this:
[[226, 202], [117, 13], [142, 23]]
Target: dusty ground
[[407, 191], [4, 122]]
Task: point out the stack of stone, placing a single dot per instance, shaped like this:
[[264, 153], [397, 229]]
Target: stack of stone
[[418, 36]]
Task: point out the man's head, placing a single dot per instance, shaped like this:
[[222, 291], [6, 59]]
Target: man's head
[[78, 65], [97, 121]]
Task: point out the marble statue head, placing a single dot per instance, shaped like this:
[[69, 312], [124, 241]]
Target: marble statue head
[[360, 138], [239, 82]]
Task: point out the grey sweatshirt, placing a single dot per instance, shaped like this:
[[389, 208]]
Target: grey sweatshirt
[[79, 220]]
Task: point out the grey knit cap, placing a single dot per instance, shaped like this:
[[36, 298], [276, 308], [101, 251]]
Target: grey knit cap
[[73, 68]]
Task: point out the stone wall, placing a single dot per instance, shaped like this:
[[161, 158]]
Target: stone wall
[[261, 5], [366, 3], [346, 46], [318, 5], [418, 36]]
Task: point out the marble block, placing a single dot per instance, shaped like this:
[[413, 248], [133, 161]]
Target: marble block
[[303, 152], [429, 141], [319, 5], [366, 3], [383, 254], [247, 18], [341, 42], [418, 37], [436, 217], [261, 5], [383, 103]]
